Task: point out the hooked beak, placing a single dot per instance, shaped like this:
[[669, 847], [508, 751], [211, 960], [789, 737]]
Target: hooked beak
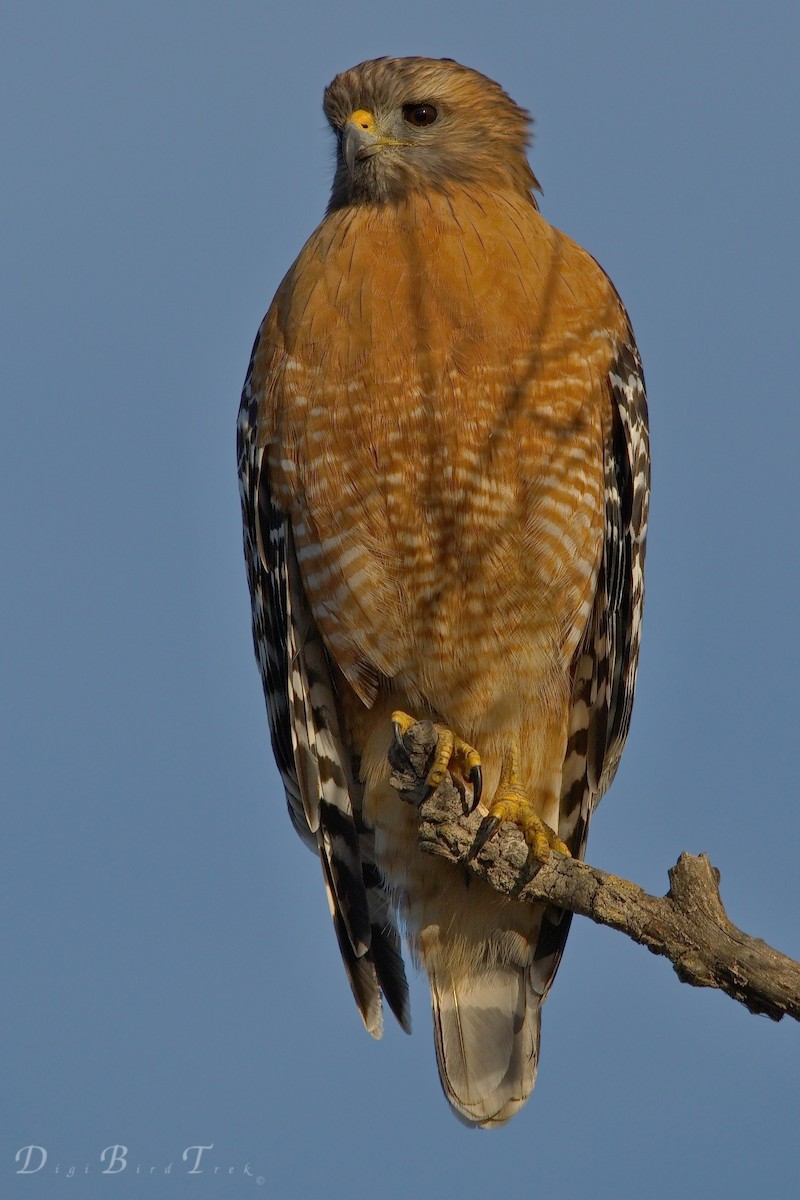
[[360, 138]]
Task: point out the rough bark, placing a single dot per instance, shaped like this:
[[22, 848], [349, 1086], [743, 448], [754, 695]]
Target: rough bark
[[688, 925]]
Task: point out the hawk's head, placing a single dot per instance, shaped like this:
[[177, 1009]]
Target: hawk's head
[[405, 124]]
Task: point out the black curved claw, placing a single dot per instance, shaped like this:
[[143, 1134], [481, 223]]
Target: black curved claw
[[476, 779], [488, 828], [398, 735]]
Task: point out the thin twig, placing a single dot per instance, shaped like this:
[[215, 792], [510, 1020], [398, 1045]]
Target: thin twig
[[689, 925]]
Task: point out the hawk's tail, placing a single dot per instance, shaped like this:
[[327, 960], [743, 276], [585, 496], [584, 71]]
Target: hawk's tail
[[486, 1028], [487, 1013]]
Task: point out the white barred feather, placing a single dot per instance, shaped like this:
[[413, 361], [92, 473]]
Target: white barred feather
[[322, 792], [604, 677]]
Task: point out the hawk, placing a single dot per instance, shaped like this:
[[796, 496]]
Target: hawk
[[444, 468]]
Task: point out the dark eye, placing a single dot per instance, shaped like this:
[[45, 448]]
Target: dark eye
[[419, 114]]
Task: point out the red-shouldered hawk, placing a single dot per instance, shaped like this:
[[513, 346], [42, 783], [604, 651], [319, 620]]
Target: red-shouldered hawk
[[444, 467]]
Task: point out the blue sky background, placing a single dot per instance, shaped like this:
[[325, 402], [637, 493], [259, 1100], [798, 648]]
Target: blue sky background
[[170, 977]]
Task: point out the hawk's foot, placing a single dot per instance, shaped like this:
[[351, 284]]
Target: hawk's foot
[[512, 803], [452, 754]]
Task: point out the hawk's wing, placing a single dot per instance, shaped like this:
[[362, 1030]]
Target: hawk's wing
[[318, 772], [606, 663], [627, 472]]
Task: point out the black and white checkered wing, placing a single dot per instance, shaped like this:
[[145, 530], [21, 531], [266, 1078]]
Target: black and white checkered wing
[[604, 673], [604, 676], [319, 776], [627, 474]]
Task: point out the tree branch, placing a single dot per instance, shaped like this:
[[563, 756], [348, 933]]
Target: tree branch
[[689, 925]]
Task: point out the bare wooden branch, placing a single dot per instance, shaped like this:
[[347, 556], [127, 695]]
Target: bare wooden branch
[[689, 925]]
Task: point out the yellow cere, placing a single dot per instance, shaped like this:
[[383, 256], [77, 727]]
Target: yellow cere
[[364, 120]]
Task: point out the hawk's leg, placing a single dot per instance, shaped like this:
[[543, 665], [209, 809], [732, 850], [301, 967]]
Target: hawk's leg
[[512, 803], [451, 754]]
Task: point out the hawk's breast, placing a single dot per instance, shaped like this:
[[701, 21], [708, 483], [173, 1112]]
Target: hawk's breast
[[437, 417]]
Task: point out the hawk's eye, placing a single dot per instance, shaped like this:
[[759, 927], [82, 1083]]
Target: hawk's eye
[[419, 114]]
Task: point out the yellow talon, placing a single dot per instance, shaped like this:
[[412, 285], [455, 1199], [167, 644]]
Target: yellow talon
[[515, 807], [511, 803], [451, 753], [402, 722]]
